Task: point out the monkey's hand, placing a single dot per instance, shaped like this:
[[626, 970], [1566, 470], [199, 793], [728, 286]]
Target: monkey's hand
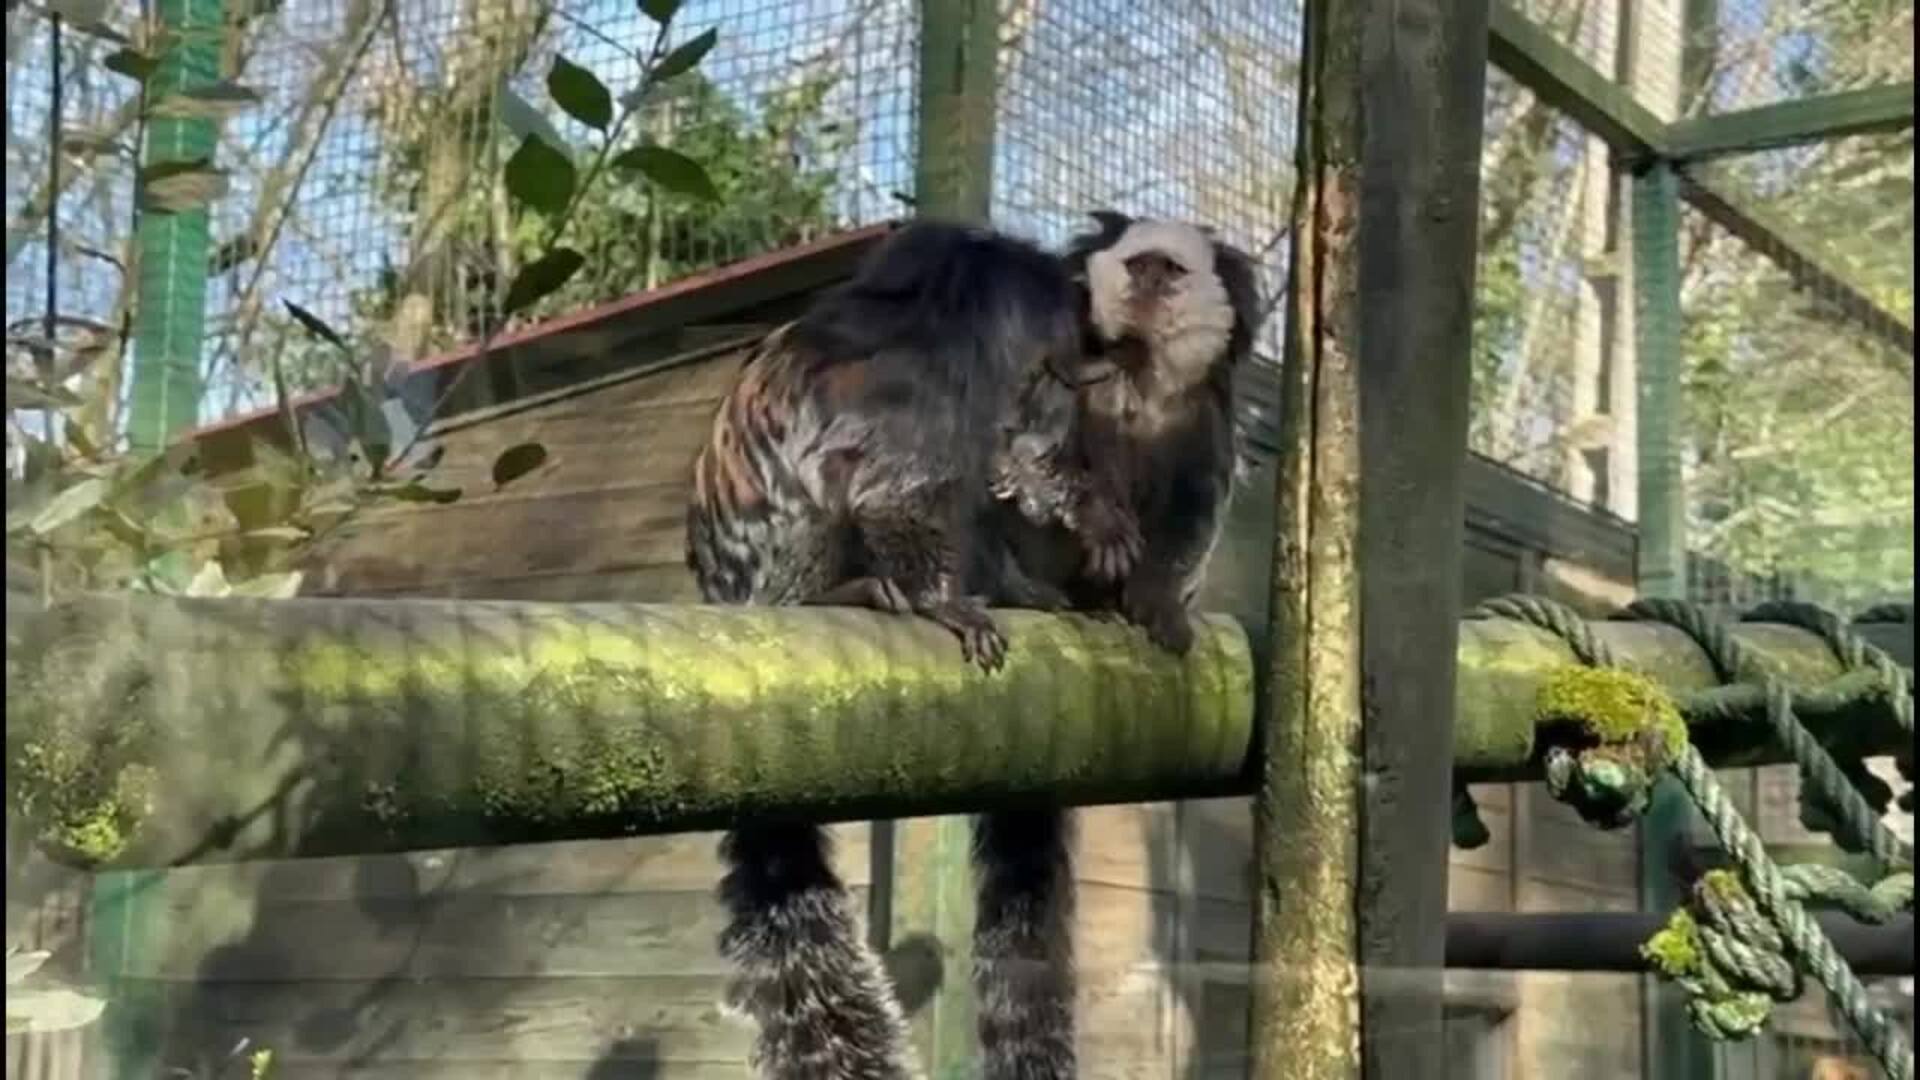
[[1155, 607], [981, 640], [1109, 533], [1031, 486]]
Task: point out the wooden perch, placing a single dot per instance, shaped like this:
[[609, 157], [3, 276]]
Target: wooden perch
[[145, 732]]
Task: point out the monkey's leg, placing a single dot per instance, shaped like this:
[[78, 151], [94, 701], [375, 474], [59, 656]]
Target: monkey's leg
[[876, 593], [1023, 945], [1154, 601], [804, 972], [915, 547]]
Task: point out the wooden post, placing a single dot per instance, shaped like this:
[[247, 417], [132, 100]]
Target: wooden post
[[1351, 851]]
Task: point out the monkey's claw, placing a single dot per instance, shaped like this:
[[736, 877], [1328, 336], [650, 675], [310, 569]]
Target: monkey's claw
[[981, 640]]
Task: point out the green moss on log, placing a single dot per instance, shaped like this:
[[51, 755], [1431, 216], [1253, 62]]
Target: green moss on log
[[317, 727], [86, 785], [1612, 707], [1675, 951], [146, 731]]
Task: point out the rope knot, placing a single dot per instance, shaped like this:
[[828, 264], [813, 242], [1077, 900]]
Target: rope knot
[[1727, 956], [1609, 734]]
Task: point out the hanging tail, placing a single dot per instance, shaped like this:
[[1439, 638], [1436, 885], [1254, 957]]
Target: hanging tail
[[1023, 945], [803, 973]]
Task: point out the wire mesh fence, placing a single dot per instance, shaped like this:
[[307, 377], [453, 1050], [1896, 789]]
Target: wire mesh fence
[[1800, 417], [366, 186], [1544, 316]]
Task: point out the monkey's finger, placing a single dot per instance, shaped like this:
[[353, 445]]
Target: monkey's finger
[[891, 595]]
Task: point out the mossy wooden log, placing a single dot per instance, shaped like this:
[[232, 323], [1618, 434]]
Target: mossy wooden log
[[148, 732]]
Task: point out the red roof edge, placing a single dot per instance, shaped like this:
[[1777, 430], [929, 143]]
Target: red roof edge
[[673, 290]]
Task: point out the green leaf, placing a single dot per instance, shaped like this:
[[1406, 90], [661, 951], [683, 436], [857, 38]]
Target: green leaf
[[540, 176], [212, 101], [270, 586], [685, 57], [581, 93], [660, 11], [670, 169], [27, 394], [541, 277], [520, 117], [517, 461], [175, 187], [22, 964], [70, 504], [50, 1009], [211, 580], [417, 492], [366, 421], [316, 325], [84, 143]]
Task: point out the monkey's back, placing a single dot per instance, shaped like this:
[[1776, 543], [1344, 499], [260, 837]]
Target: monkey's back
[[892, 386]]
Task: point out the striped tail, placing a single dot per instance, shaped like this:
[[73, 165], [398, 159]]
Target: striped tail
[[1023, 946], [805, 975]]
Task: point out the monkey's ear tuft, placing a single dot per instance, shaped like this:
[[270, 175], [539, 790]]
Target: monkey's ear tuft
[[1111, 220]]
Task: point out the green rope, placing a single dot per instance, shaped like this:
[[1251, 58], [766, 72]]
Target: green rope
[[1727, 956], [1809, 943], [1832, 785], [1733, 949], [1855, 653]]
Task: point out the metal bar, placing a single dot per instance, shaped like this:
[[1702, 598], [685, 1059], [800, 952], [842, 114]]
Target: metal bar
[[1661, 405], [1610, 941], [1793, 123], [1559, 77], [341, 727], [170, 321], [1674, 1049], [1826, 285]]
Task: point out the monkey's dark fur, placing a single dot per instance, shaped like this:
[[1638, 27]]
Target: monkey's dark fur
[[849, 465], [1173, 312], [1154, 435]]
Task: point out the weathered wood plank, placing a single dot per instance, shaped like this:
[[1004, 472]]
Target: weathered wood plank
[[604, 529], [678, 862], [1422, 93]]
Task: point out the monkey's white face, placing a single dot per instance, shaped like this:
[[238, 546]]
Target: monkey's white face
[[1157, 283]]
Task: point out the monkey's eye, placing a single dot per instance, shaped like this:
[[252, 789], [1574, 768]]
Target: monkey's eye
[[1152, 265]]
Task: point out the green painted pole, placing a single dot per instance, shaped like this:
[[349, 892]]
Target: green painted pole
[[959, 45], [1673, 1049], [164, 390], [170, 306], [931, 882]]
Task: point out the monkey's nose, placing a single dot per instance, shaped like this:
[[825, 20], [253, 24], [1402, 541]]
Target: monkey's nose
[[1150, 273]]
